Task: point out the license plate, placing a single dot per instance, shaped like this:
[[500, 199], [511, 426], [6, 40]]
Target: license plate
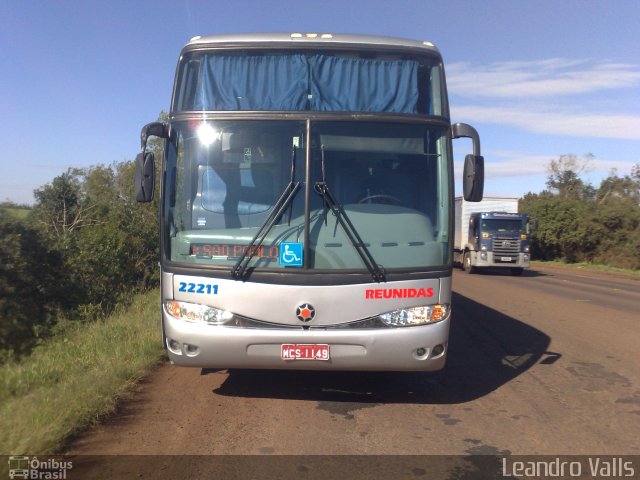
[[291, 351], [505, 259]]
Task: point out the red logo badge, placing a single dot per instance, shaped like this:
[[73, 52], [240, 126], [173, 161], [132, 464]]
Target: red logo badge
[[305, 312]]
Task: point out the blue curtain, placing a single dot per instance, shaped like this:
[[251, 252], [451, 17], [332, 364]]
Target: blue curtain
[[252, 83], [360, 85], [283, 83]]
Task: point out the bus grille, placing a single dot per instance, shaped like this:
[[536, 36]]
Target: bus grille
[[506, 247]]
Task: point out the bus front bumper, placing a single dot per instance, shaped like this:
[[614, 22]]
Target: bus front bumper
[[416, 348]]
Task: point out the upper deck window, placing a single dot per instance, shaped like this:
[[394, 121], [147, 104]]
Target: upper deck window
[[252, 83], [363, 85], [318, 81]]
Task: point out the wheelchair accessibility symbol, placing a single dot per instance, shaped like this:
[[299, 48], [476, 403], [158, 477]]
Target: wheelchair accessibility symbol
[[290, 254]]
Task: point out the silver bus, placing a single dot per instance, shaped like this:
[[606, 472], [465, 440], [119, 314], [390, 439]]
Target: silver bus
[[307, 203]]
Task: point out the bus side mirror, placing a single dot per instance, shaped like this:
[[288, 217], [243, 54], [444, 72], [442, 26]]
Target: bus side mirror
[[155, 129], [145, 177], [473, 178], [473, 173]]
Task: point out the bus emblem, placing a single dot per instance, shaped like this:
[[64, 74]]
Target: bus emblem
[[305, 312]]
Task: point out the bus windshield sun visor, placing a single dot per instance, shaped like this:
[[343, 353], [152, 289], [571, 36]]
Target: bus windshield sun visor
[[322, 189], [240, 268]]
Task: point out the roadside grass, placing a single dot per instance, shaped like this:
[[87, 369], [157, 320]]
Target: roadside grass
[[587, 266], [75, 378]]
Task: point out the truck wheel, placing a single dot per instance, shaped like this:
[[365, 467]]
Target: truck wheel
[[466, 262], [517, 271]]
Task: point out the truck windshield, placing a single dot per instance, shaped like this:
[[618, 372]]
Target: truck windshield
[[497, 227], [224, 180]]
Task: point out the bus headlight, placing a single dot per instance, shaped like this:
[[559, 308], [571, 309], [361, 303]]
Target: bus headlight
[[193, 312], [407, 317]]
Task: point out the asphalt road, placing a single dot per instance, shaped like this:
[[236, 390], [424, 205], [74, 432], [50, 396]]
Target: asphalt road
[[545, 364]]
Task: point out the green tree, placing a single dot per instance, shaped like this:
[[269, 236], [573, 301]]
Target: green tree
[[61, 208], [564, 177], [621, 189], [119, 253], [618, 212], [85, 246], [29, 286], [562, 230], [579, 223]]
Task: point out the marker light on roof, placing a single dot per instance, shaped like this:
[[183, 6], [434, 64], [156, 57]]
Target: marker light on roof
[[296, 35], [326, 35], [311, 35]]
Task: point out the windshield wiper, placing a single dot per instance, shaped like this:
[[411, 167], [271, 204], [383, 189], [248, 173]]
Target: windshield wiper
[[239, 269], [322, 189]]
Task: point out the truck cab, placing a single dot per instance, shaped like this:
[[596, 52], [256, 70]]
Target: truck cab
[[491, 234], [499, 240]]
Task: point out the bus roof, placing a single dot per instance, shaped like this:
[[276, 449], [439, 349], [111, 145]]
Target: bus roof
[[310, 39]]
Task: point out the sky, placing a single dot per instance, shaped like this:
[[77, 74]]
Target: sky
[[537, 79]]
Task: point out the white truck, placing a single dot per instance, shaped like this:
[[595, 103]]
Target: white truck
[[491, 233]]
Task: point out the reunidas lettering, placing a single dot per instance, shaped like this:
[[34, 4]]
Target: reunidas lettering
[[382, 293]]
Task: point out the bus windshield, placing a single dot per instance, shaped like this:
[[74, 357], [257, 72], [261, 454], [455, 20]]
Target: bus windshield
[[226, 179]]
